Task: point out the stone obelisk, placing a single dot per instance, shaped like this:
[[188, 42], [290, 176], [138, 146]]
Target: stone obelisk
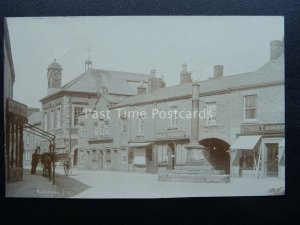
[[195, 155]]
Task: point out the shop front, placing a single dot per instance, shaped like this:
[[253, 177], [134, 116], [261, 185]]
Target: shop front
[[259, 151], [16, 117]]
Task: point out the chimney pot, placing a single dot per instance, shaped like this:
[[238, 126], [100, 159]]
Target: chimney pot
[[218, 71], [153, 72], [184, 67], [276, 49]]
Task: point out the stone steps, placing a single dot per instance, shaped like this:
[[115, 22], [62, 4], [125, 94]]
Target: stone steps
[[197, 172], [194, 178]]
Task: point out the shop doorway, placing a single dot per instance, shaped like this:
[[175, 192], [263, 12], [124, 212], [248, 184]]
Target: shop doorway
[[272, 160], [75, 159]]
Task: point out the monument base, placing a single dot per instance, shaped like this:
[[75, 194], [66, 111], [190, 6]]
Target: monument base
[[197, 169]]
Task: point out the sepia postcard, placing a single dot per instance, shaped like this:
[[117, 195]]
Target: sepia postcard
[[144, 106]]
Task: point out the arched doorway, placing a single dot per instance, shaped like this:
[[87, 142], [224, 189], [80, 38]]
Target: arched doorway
[[75, 157], [216, 153]]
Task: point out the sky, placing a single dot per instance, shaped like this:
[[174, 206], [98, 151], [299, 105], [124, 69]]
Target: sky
[[137, 44]]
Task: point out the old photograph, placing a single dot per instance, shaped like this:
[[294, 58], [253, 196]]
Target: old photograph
[[144, 106]]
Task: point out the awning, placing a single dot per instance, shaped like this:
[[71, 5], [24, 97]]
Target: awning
[[141, 144], [246, 142]]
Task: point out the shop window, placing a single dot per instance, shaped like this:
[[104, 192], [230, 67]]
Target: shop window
[[248, 160]]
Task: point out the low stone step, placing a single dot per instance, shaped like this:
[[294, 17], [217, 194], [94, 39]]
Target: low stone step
[[195, 178]]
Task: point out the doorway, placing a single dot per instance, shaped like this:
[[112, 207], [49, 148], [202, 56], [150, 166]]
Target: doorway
[[272, 160]]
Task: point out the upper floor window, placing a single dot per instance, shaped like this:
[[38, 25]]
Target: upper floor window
[[107, 128], [211, 113], [58, 117], [174, 118], [101, 128], [77, 112], [27, 139], [45, 121], [141, 126], [250, 107], [51, 125], [124, 125]]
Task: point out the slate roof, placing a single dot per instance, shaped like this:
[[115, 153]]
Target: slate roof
[[271, 72], [114, 81]]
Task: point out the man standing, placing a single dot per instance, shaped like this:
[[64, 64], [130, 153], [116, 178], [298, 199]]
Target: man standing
[[34, 161]]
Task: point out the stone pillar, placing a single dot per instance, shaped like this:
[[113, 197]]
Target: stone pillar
[[154, 158], [195, 154]]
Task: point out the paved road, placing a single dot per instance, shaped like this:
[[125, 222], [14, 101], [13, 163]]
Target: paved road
[[109, 184], [37, 186]]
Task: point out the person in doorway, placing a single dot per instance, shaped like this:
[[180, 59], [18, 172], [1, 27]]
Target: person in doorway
[[34, 161]]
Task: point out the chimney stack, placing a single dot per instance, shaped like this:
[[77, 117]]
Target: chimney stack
[[141, 89], [153, 73], [276, 49], [218, 71], [185, 76]]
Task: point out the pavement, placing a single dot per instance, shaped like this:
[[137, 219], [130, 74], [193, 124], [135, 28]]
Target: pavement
[[113, 184], [37, 186]]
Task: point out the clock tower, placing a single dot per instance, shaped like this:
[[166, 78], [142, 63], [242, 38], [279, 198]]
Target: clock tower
[[54, 77]]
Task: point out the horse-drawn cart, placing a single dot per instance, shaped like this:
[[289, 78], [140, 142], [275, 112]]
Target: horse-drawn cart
[[60, 159]]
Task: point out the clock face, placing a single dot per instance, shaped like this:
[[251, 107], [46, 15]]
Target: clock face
[[55, 75]]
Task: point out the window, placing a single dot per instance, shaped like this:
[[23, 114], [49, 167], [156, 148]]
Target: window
[[77, 112], [211, 110], [124, 156], [107, 131], [58, 117], [101, 128], [81, 132], [250, 107], [124, 126], [27, 139], [27, 155], [51, 126], [96, 132], [247, 160], [46, 121], [174, 118], [141, 126]]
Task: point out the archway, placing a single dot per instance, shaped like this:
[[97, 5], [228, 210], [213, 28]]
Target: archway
[[216, 153], [74, 155]]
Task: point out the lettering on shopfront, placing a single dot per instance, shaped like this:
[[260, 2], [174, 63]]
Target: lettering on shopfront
[[262, 128]]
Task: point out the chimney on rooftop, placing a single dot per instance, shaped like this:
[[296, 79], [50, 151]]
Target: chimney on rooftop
[[276, 49], [218, 71], [185, 76], [153, 73], [141, 89], [155, 82]]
